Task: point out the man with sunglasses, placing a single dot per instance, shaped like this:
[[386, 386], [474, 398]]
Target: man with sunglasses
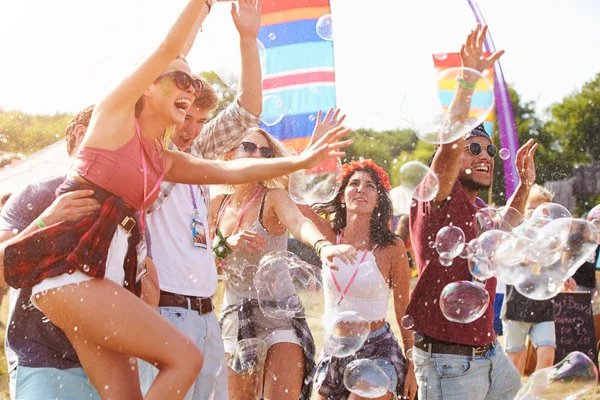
[[178, 220], [455, 360]]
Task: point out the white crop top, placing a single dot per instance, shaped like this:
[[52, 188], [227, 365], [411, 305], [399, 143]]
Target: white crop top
[[368, 295]]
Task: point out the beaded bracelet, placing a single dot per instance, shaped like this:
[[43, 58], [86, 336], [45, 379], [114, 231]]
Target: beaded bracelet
[[40, 223]]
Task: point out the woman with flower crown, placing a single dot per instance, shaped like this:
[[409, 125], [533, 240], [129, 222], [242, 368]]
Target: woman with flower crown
[[362, 212]]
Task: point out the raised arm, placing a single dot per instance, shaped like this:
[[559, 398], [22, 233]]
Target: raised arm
[[446, 160], [526, 170], [246, 18], [126, 94]]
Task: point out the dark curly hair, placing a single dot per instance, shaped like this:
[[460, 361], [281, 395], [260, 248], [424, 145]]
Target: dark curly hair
[[380, 232]]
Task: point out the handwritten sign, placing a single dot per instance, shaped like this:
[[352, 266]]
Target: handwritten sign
[[574, 324]]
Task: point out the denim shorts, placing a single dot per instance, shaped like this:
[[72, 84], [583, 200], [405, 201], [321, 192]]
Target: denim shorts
[[28, 383], [515, 334]]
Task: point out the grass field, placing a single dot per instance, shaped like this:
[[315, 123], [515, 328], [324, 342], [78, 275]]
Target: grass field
[[314, 323]]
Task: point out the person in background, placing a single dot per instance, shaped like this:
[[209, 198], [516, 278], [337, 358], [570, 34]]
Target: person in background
[[522, 316], [178, 220], [403, 231], [5, 288], [585, 277]]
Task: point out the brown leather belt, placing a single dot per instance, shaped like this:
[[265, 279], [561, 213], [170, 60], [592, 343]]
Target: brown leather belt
[[441, 347], [203, 305]]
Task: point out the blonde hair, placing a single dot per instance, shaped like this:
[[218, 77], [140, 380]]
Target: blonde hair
[[279, 150], [540, 193]]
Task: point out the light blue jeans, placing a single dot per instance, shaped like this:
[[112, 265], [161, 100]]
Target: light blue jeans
[[205, 332], [27, 383], [452, 377]]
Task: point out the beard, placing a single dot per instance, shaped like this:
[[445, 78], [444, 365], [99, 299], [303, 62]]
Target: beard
[[469, 183]]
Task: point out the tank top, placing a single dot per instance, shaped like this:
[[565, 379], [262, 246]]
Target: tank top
[[241, 266], [368, 294], [121, 171]]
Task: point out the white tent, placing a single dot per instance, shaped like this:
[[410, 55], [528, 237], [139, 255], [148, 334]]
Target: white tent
[[401, 200], [49, 161]]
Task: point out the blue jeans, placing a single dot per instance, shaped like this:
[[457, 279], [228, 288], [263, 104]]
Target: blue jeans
[[447, 376], [205, 332], [50, 383]]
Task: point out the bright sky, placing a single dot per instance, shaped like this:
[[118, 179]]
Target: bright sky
[[61, 55]]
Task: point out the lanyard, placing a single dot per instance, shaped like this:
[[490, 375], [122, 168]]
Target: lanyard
[[193, 200], [145, 172], [239, 220], [353, 277]]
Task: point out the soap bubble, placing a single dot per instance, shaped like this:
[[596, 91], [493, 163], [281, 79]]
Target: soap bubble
[[407, 322], [420, 180], [504, 154], [511, 218], [285, 286], [551, 210], [441, 128], [570, 379], [273, 110], [248, 358], [346, 334], [445, 261], [450, 241], [480, 267], [325, 27], [464, 301], [365, 378], [418, 336], [487, 219], [262, 55], [319, 184]]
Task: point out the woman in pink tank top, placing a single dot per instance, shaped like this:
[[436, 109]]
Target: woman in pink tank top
[[122, 154]]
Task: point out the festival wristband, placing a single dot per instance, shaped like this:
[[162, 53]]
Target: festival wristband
[[40, 223], [466, 85], [320, 245], [220, 248]]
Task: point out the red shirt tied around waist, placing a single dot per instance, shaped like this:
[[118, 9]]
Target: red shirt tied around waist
[[426, 219]]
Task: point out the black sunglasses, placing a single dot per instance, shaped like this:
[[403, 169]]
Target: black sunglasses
[[475, 149], [265, 152], [183, 81]]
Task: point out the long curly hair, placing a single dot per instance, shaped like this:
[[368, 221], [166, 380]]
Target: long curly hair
[[379, 232]]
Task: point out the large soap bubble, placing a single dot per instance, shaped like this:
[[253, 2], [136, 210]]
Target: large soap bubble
[[570, 379], [420, 180], [480, 267], [346, 334], [285, 286], [248, 358], [441, 127], [450, 241], [316, 185], [551, 210], [365, 378], [325, 27], [273, 110], [487, 219], [464, 301]]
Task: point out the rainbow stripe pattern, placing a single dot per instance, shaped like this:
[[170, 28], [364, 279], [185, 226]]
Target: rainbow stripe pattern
[[299, 66], [481, 97]]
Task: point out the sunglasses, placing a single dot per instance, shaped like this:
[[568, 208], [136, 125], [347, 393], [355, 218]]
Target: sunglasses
[[250, 148], [183, 81], [475, 149]]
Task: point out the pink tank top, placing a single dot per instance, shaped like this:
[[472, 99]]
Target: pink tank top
[[121, 171]]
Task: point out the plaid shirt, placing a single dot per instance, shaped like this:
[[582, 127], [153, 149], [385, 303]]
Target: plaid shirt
[[220, 135], [383, 346], [246, 330], [69, 246]]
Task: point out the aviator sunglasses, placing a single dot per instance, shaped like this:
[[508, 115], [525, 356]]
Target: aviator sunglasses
[[250, 148], [475, 149], [183, 81]]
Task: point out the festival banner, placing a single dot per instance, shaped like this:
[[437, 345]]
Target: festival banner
[[299, 66]]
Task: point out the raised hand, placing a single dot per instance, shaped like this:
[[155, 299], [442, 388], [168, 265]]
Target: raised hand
[[345, 252], [332, 120], [472, 54], [327, 147], [246, 241], [525, 163], [246, 17]]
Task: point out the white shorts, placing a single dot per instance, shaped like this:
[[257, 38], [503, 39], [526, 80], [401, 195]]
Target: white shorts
[[114, 268]]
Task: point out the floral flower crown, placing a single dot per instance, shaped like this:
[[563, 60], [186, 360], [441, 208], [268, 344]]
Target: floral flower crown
[[348, 169]]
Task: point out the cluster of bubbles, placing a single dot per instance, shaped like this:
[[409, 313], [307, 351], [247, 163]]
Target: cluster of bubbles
[[571, 378], [535, 255], [286, 286], [316, 185]]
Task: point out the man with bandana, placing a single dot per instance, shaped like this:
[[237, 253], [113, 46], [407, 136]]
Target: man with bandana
[[455, 360]]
